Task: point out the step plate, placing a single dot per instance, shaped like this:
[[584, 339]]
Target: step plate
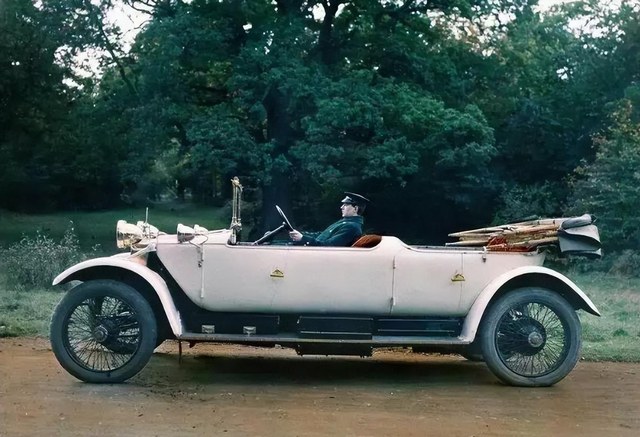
[[376, 340], [343, 328]]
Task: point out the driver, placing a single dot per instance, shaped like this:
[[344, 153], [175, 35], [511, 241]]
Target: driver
[[344, 232]]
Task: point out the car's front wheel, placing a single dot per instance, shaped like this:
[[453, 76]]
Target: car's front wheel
[[103, 331], [531, 337]]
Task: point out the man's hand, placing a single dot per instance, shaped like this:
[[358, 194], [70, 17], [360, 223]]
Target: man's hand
[[295, 235]]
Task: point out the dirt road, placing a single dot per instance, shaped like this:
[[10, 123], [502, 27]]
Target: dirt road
[[241, 391]]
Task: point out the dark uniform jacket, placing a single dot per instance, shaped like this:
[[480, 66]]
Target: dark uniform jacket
[[344, 232]]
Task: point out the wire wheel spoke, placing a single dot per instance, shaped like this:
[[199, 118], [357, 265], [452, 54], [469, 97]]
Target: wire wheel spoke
[[102, 334], [531, 339]]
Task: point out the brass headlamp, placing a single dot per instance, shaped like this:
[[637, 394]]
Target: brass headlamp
[[135, 236], [128, 234], [187, 233]]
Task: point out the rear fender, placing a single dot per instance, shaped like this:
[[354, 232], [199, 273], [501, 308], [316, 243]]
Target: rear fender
[[524, 277], [114, 267]]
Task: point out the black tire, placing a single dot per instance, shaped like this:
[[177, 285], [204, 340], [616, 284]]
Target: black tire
[[531, 337], [103, 331], [472, 352], [164, 333]]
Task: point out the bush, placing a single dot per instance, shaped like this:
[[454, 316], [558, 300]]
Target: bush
[[626, 264], [524, 202], [35, 261]]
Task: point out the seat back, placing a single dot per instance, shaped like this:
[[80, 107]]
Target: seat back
[[367, 241]]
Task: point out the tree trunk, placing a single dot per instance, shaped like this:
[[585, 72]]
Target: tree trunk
[[278, 190], [328, 52]]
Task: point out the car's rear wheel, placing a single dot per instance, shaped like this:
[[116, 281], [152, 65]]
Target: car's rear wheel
[[103, 331], [531, 337], [472, 352]]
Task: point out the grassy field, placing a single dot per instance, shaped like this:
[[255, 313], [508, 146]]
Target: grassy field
[[616, 335], [26, 313], [99, 227]]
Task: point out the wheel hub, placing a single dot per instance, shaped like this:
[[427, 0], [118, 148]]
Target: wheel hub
[[529, 334], [536, 339], [100, 334], [106, 331]]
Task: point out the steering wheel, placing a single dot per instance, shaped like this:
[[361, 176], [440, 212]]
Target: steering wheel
[[286, 224]]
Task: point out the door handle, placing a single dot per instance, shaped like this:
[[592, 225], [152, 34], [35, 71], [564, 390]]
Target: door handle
[[458, 277]]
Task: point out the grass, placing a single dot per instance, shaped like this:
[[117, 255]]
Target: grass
[[616, 335], [27, 313], [99, 227]]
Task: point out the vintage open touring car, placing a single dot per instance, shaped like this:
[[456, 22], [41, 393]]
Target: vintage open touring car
[[205, 286]]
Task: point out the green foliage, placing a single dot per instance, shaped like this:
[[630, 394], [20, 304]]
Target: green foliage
[[31, 92], [391, 131], [610, 186], [35, 261], [49, 158], [521, 202], [222, 144], [476, 109], [626, 263]]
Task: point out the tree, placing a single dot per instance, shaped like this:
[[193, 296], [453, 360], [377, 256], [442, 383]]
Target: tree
[[300, 105], [610, 186], [443, 112], [33, 103], [53, 149], [322, 96]]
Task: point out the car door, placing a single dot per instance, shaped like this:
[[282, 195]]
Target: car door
[[427, 282], [299, 279], [336, 280], [242, 278]]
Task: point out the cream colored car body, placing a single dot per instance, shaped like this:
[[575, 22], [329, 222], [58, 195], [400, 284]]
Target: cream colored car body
[[390, 279]]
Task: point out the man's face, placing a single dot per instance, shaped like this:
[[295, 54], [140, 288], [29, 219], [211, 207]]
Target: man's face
[[349, 210]]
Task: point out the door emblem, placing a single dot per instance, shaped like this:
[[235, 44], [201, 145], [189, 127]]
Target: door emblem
[[277, 273], [458, 277]]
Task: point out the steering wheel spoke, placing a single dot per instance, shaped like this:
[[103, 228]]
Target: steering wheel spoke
[[286, 225]]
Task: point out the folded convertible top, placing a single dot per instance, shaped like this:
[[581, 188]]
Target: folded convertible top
[[573, 235]]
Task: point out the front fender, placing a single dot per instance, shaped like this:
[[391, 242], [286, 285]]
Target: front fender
[[152, 278], [568, 289]]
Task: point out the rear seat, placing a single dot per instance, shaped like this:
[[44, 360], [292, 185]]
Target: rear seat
[[367, 241]]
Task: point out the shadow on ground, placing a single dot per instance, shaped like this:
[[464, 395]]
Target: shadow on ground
[[270, 367]]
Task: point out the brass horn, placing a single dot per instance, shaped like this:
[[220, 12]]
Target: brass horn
[[127, 234]]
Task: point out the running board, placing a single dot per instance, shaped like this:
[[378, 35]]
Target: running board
[[377, 340]]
